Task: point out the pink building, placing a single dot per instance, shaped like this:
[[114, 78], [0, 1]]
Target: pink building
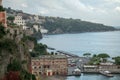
[[3, 19]]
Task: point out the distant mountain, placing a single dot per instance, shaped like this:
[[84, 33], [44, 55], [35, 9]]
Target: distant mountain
[[117, 27], [57, 25]]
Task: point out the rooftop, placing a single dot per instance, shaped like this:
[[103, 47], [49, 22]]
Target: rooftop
[[50, 57]]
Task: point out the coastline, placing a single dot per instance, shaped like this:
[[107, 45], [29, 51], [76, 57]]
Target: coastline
[[80, 32]]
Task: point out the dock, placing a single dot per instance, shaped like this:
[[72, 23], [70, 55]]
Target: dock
[[67, 53], [106, 74]]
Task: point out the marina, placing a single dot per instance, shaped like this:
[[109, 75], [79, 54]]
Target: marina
[[82, 43]]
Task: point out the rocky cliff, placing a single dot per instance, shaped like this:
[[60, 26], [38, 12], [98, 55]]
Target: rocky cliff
[[15, 59]]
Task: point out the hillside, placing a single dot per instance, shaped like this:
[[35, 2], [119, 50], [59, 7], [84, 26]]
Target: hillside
[[62, 25], [57, 25]]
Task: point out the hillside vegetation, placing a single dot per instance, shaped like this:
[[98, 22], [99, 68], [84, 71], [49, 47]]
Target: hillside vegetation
[[62, 25]]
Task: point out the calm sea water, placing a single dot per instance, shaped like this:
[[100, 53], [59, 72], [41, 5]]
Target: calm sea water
[[94, 77], [95, 43]]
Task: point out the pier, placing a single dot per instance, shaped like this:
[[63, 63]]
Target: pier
[[106, 73], [68, 54]]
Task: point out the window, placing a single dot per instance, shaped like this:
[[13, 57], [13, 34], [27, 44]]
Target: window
[[39, 67], [118, 67], [40, 73], [34, 67], [44, 66], [48, 66]]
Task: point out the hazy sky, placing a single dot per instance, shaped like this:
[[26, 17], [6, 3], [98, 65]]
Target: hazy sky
[[99, 11]]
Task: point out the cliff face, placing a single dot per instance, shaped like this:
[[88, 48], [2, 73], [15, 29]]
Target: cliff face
[[14, 50], [37, 35]]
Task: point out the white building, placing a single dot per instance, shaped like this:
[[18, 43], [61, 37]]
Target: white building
[[25, 27], [36, 18], [36, 27], [19, 21], [43, 30]]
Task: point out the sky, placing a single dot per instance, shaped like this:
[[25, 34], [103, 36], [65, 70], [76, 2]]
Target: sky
[[99, 11]]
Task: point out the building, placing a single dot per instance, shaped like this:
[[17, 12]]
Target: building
[[29, 31], [36, 18], [36, 27], [98, 68], [19, 21], [91, 68], [107, 63], [50, 65], [43, 31], [111, 68], [3, 19]]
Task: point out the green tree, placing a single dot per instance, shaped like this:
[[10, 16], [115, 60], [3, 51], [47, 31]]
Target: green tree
[[94, 55], [25, 75], [2, 31], [103, 56], [15, 34], [25, 38], [33, 77], [11, 18], [117, 60], [95, 60], [52, 53], [14, 66], [41, 49], [8, 45], [87, 54], [56, 53], [1, 8]]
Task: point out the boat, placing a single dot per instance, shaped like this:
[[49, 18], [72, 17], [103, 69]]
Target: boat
[[77, 72]]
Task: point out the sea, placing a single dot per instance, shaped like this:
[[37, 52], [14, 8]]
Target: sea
[[89, 42]]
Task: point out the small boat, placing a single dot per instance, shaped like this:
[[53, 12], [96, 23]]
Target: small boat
[[77, 72]]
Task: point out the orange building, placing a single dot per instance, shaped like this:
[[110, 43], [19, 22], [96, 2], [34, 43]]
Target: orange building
[[50, 65], [3, 18]]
